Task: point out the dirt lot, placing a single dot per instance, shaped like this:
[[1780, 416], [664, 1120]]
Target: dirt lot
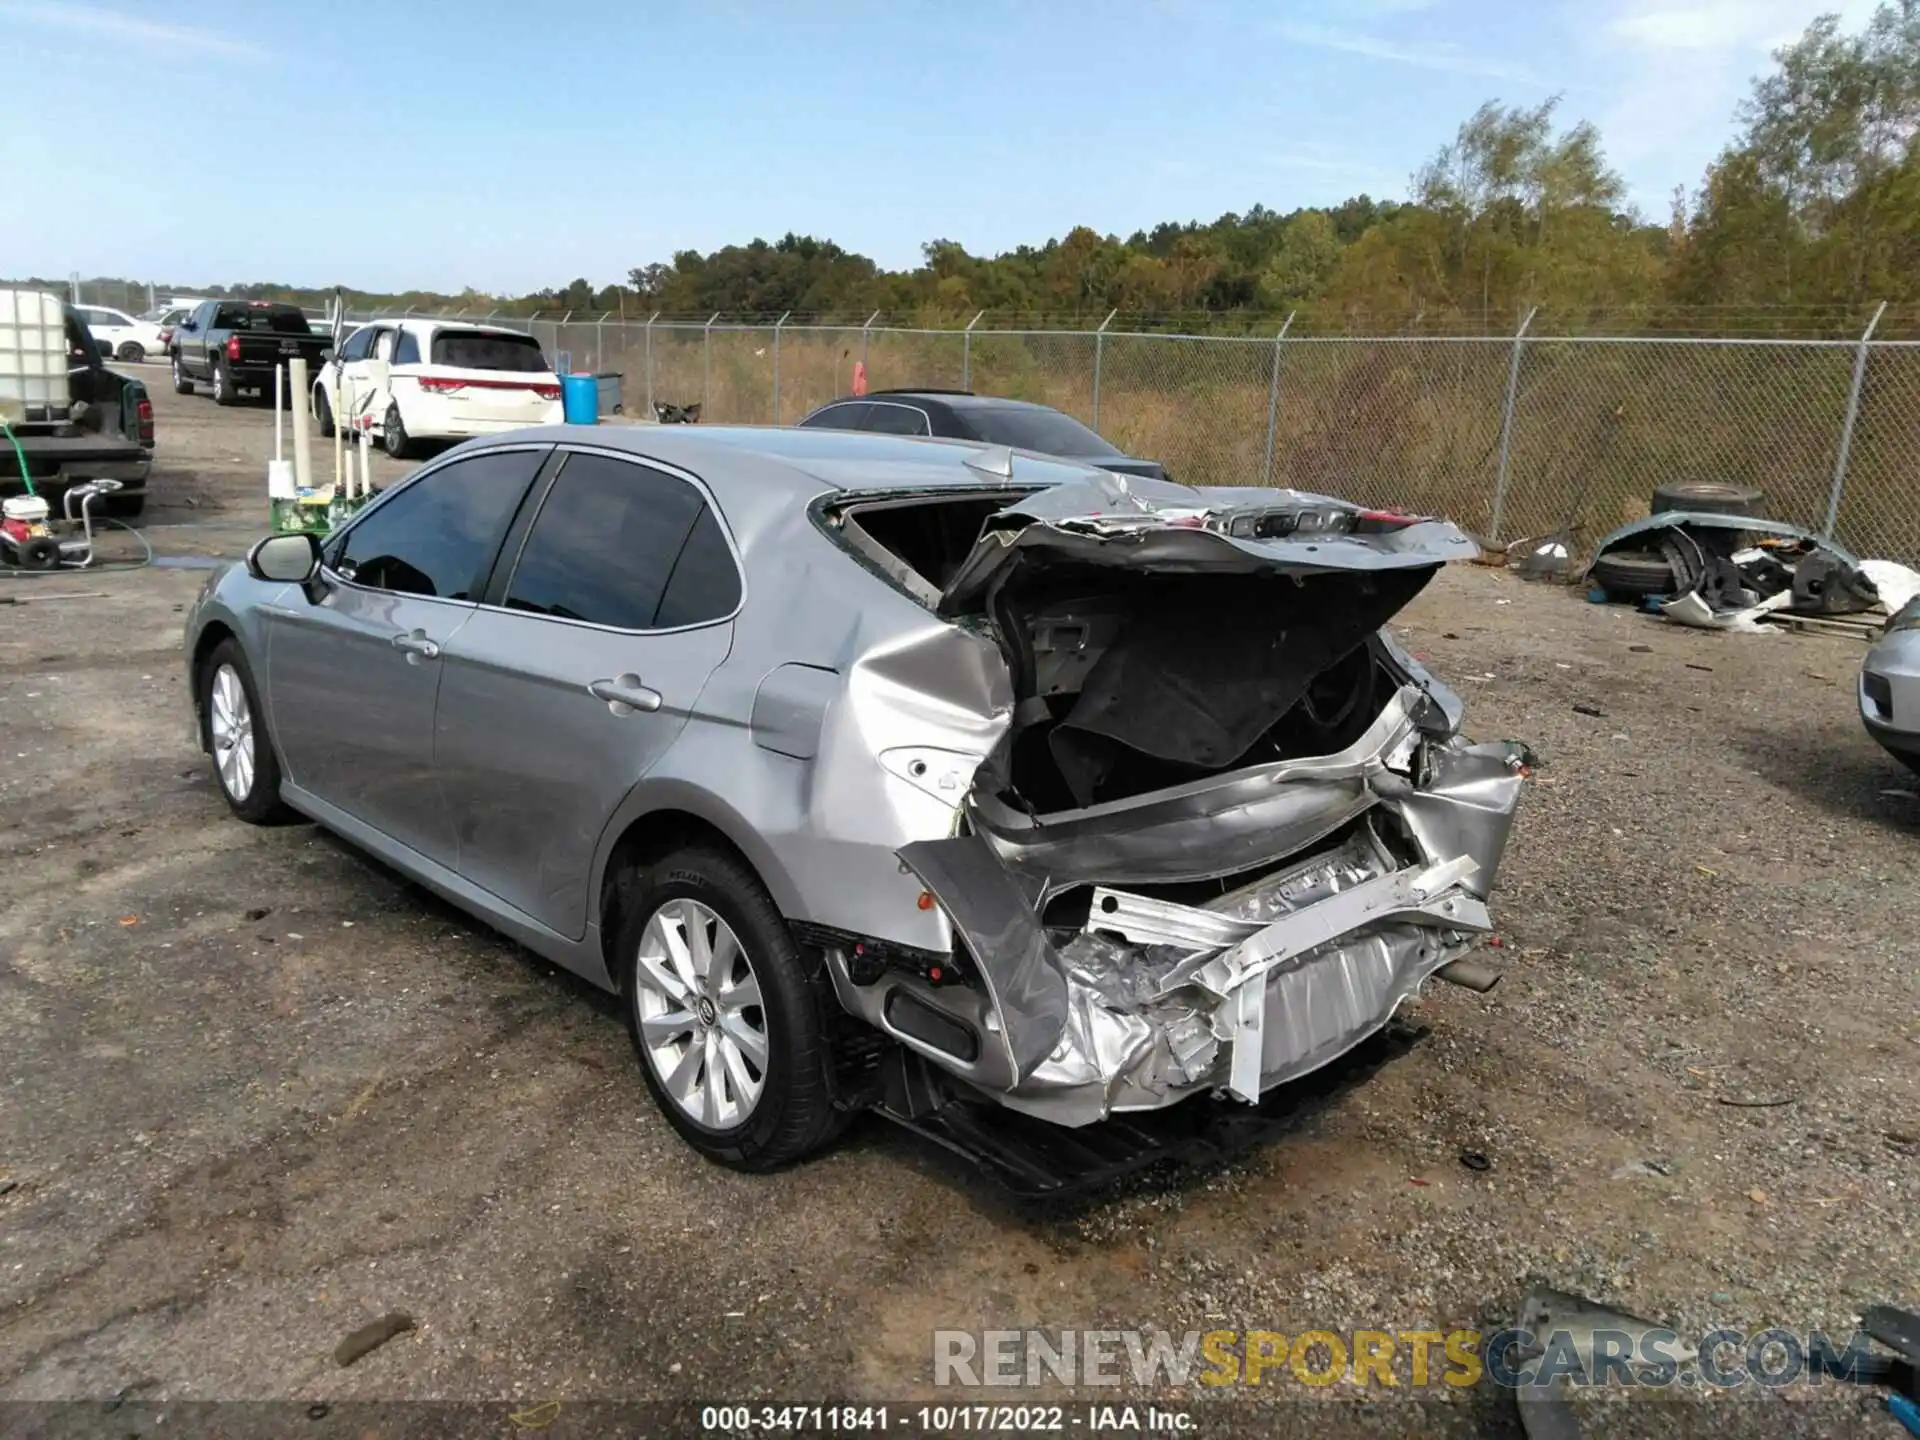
[[259, 1091]]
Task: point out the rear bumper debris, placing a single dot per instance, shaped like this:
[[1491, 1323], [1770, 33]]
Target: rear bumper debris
[[1150, 1001]]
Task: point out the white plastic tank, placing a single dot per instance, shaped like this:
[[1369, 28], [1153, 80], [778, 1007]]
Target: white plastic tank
[[33, 354]]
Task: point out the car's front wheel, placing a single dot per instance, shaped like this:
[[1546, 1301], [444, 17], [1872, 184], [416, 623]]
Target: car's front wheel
[[323, 412], [244, 761], [727, 1013]]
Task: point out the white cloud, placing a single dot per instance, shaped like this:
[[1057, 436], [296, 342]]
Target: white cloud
[[1438, 55], [113, 25], [1682, 68]]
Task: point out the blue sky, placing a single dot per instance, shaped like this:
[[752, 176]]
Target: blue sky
[[506, 145]]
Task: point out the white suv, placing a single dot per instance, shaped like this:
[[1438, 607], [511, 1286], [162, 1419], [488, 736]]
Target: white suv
[[408, 380]]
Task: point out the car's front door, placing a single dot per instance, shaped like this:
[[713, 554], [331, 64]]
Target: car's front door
[[615, 610], [353, 665], [360, 375]]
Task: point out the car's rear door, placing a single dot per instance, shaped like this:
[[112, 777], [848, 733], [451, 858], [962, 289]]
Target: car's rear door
[[616, 607], [353, 666]]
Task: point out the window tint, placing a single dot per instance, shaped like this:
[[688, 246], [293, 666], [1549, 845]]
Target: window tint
[[438, 535], [1047, 431], [891, 419], [357, 345], [476, 350], [851, 416], [407, 352], [705, 583], [604, 544]]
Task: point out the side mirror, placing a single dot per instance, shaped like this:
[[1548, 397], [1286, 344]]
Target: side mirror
[[326, 356], [284, 559]]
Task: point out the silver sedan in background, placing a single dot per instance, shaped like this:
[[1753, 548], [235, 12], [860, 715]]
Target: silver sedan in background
[[1890, 687], [883, 773]]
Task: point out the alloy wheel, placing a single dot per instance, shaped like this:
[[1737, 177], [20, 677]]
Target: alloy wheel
[[703, 1025], [230, 719]]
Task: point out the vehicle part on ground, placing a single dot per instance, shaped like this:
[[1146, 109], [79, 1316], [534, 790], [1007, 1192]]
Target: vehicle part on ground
[[668, 414], [1094, 793], [1584, 1334], [1631, 574], [1727, 571], [1708, 497]]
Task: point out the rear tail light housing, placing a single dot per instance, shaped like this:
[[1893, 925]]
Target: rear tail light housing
[[143, 419], [547, 392], [233, 347], [435, 386]]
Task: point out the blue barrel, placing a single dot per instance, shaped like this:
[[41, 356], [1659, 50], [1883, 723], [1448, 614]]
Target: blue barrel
[[580, 399]]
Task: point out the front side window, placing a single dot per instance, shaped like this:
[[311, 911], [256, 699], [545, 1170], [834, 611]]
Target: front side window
[[383, 345], [606, 545], [438, 535], [357, 345]]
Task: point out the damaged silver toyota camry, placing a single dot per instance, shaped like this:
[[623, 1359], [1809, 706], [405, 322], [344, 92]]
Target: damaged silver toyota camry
[[883, 773]]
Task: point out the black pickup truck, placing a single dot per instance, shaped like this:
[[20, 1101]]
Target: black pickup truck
[[234, 345]]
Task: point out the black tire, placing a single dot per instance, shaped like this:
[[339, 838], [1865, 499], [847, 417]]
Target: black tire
[[393, 434], [133, 352], [261, 805], [1708, 497], [182, 382], [794, 1114], [223, 391], [323, 413], [1631, 574]]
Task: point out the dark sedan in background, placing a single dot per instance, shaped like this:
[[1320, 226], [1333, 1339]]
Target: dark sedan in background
[[962, 415]]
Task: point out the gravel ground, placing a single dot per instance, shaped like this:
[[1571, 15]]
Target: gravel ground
[[260, 1091]]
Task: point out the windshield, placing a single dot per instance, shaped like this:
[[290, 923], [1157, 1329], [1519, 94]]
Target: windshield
[[478, 350], [1047, 431]]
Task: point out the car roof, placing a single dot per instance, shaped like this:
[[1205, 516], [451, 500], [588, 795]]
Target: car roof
[[952, 399], [811, 461], [427, 326]]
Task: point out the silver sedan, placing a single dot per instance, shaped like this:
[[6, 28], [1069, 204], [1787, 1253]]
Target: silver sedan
[[1890, 687], [883, 773]]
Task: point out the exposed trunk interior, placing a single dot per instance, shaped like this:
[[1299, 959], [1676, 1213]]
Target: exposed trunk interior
[[1128, 680]]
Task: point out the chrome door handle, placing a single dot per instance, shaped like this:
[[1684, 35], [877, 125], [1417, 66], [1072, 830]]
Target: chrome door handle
[[625, 694], [417, 646]]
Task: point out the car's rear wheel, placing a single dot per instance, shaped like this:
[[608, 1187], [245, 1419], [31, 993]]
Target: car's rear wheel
[[133, 352], [223, 391], [393, 434], [182, 385], [727, 1014], [244, 761]]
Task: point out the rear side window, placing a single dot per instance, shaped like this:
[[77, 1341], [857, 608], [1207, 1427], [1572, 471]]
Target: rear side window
[[897, 420], [477, 350], [706, 583], [407, 351], [851, 416], [604, 545], [438, 535]]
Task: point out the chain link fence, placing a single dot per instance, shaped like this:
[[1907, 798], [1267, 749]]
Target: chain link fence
[[1510, 436]]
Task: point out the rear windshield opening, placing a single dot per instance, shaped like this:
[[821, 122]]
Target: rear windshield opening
[[921, 542], [477, 350], [1046, 431]]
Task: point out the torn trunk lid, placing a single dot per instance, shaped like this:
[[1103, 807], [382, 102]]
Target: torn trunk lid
[[1131, 522]]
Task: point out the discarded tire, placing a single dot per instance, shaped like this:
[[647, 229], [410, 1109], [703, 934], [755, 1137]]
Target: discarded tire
[[1630, 574], [1708, 497]]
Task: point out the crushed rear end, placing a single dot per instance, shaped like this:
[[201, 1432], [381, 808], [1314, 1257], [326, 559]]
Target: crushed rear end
[[1225, 828]]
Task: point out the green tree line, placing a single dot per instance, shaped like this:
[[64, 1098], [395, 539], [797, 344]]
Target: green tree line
[[1809, 216]]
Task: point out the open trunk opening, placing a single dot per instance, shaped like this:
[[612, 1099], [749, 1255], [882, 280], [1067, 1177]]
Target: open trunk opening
[[1146, 655]]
